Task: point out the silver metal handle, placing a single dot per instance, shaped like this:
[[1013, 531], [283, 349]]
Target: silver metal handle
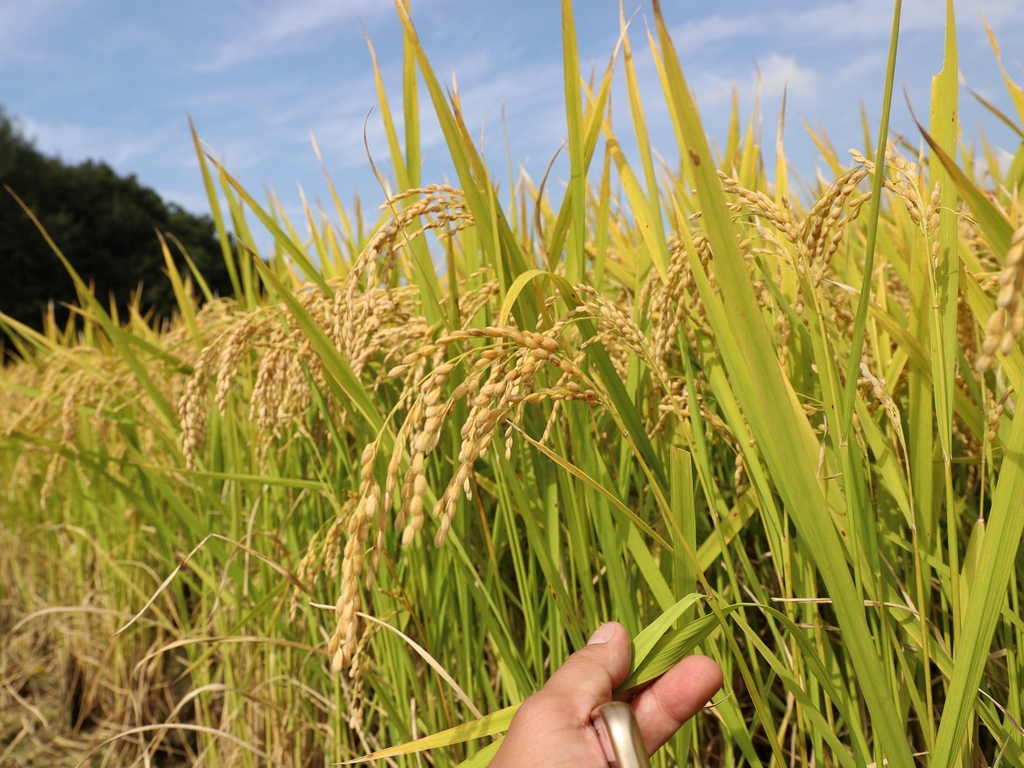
[[624, 734]]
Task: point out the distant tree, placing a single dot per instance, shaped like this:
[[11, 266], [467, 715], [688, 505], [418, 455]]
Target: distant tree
[[104, 223]]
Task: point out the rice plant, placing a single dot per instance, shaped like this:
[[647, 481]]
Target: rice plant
[[369, 503]]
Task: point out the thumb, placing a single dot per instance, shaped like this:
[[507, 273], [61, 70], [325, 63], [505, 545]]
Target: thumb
[[552, 727], [587, 679]]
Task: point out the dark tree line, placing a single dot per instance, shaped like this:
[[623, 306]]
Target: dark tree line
[[104, 223]]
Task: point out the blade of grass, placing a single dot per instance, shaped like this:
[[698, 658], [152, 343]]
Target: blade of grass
[[943, 275], [280, 236], [995, 565], [592, 483], [993, 223], [777, 428], [860, 321], [218, 217], [186, 305], [658, 243], [575, 266]]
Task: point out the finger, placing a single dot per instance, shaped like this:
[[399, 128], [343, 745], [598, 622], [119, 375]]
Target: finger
[[589, 676], [674, 698], [552, 727]]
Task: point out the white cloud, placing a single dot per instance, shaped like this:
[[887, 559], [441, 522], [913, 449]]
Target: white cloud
[[286, 26], [855, 19], [782, 73], [778, 73]]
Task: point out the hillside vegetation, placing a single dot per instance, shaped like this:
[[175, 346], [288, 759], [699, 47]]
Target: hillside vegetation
[[104, 223]]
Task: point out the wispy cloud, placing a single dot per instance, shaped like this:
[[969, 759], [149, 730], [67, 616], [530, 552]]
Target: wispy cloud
[[22, 23], [113, 79], [854, 19], [773, 75], [77, 142], [286, 26]]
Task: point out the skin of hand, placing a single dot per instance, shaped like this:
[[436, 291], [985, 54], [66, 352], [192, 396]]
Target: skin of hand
[[553, 728]]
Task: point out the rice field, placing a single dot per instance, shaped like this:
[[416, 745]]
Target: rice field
[[368, 504]]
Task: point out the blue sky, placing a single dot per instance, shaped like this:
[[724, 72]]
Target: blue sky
[[116, 79]]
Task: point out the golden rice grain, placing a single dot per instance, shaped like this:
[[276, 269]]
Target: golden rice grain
[[1006, 323]]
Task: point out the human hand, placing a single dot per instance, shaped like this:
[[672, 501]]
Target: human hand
[[553, 728]]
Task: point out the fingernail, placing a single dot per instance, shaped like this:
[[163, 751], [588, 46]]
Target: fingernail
[[603, 634]]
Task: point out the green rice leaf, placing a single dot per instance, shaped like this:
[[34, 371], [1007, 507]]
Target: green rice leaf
[[772, 409], [670, 648], [995, 561], [218, 216], [576, 263], [645, 642], [993, 223], [280, 236]]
